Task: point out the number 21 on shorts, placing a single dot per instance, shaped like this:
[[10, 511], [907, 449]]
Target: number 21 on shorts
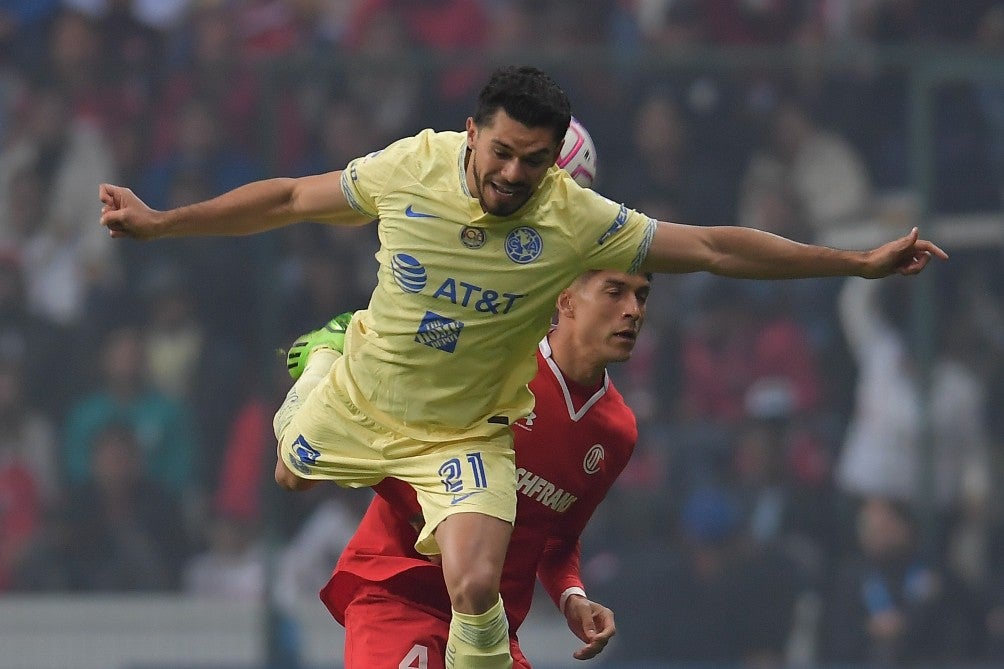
[[452, 473]]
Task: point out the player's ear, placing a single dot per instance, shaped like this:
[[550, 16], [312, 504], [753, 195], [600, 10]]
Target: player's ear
[[472, 132], [565, 303]]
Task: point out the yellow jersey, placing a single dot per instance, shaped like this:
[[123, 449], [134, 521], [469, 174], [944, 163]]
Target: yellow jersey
[[448, 341]]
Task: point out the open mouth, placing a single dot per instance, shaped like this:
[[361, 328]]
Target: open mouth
[[506, 191], [628, 335]]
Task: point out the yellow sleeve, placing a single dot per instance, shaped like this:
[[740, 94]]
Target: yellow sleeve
[[610, 235], [366, 178]]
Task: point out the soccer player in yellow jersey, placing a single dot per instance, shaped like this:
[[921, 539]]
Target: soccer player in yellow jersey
[[479, 232]]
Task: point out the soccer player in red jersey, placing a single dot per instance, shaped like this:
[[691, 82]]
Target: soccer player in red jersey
[[393, 601]]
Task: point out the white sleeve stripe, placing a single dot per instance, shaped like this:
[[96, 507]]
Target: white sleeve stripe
[[575, 590], [643, 249], [350, 195]]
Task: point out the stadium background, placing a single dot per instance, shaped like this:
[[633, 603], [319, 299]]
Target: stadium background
[[138, 527]]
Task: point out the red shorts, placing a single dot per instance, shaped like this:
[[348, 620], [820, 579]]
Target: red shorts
[[382, 632]]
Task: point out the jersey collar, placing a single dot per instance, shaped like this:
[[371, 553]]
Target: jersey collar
[[545, 351], [462, 167]]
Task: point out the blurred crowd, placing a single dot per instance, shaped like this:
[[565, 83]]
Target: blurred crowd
[[819, 473]]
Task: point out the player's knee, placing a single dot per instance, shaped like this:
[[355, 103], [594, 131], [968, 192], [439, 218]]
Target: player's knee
[[474, 590]]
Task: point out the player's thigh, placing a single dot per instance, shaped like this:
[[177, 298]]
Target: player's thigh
[[466, 475], [386, 633], [329, 438]]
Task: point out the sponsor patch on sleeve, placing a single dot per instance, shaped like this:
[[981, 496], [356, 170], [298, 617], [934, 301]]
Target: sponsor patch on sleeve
[[619, 221]]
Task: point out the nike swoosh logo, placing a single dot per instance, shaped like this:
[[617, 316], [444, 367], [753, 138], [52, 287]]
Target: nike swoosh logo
[[460, 498], [411, 213]]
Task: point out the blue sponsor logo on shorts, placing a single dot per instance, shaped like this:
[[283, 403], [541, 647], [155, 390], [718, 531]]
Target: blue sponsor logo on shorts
[[439, 332], [305, 455]]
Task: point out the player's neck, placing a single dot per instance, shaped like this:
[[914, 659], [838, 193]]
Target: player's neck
[[575, 366]]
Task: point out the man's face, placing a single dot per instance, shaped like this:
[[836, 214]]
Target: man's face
[[605, 311], [508, 161]]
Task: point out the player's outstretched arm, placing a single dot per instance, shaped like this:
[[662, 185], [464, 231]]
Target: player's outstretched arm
[[593, 623], [754, 254], [254, 207]]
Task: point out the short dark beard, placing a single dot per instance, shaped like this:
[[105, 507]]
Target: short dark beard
[[477, 184], [481, 193]]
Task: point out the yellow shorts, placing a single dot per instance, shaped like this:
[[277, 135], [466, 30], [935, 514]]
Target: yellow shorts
[[329, 438]]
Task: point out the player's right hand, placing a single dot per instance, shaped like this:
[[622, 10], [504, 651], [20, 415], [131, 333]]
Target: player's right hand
[[907, 255], [592, 622], [125, 215]]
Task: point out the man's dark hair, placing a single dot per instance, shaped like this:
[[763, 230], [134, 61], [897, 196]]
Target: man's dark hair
[[528, 96]]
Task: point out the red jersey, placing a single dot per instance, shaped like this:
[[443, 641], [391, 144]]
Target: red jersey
[[569, 451]]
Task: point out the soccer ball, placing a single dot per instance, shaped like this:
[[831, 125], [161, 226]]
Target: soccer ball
[[578, 154]]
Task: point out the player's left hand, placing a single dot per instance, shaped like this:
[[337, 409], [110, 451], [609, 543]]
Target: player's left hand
[[907, 255], [591, 622], [124, 214]]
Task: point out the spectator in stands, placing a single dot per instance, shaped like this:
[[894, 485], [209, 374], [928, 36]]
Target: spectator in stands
[[124, 529], [174, 337], [199, 148], [825, 174], [992, 629], [27, 484], [110, 54], [26, 336], [76, 62], [68, 264], [731, 345], [721, 600], [27, 434], [333, 271], [304, 565], [23, 27], [782, 478], [882, 454], [203, 165], [21, 515], [889, 605], [232, 566], [244, 476], [437, 26], [209, 66], [732, 23], [116, 529], [666, 24], [670, 177], [392, 96], [342, 131], [122, 394], [316, 524]]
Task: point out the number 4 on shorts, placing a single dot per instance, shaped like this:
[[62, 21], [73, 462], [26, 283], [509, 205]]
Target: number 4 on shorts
[[417, 658]]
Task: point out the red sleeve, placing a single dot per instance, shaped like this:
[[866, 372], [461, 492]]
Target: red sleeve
[[558, 569]]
